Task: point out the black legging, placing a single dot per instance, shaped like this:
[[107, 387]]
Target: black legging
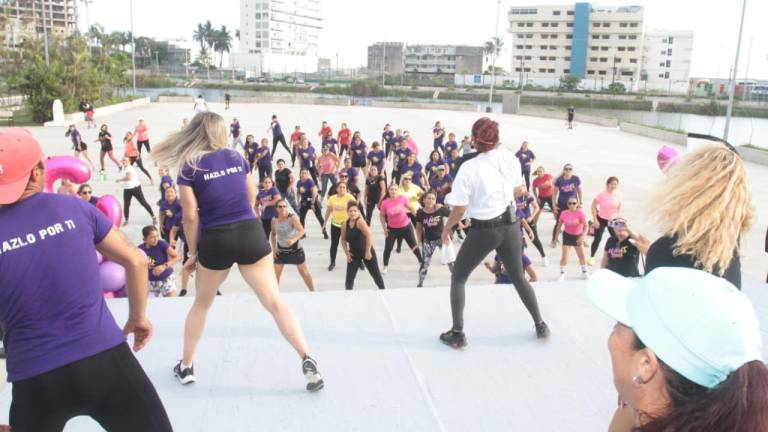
[[505, 239], [112, 388], [536, 240], [136, 160], [306, 207], [128, 195], [280, 139], [406, 233], [373, 269], [599, 234], [335, 237], [143, 143], [369, 207], [267, 224], [264, 172], [527, 175]]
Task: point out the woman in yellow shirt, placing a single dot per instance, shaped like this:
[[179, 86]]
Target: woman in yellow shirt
[[336, 209], [413, 193]]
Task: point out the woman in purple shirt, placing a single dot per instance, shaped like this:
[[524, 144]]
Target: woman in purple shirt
[[264, 160], [435, 161], [251, 147], [376, 158], [526, 158], [439, 134], [359, 150], [218, 197], [266, 200]]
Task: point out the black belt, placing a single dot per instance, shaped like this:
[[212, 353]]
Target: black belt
[[500, 220]]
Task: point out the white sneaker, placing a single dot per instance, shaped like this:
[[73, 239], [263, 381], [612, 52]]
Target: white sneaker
[[545, 261], [384, 270], [584, 275], [561, 277]]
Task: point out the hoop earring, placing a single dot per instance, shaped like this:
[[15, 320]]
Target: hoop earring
[[638, 380]]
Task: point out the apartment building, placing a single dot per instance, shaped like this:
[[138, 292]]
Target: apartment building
[[667, 60], [20, 19], [386, 58], [278, 36], [424, 59]]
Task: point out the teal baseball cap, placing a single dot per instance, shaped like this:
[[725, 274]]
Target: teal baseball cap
[[700, 325]]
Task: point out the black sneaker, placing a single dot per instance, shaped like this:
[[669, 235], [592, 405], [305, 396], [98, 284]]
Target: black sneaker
[[325, 234], [185, 376], [397, 249], [309, 369], [218, 293], [454, 339], [2, 352], [542, 330], [332, 266], [362, 266], [183, 292]]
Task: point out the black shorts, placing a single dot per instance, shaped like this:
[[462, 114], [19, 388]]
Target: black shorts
[[562, 207], [547, 201], [106, 147], [291, 257], [570, 239], [241, 242], [83, 147], [358, 163]]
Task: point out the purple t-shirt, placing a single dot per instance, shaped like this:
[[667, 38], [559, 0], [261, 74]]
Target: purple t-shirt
[[74, 135], [304, 189], [525, 158], [567, 189], [331, 143], [431, 168], [439, 139], [276, 129], [219, 184], [377, 159], [166, 180], [93, 200], [250, 150], [416, 170], [352, 172], [264, 157], [157, 255], [359, 151], [51, 301], [268, 212], [523, 206], [401, 156], [440, 186], [169, 212], [451, 146], [307, 156]]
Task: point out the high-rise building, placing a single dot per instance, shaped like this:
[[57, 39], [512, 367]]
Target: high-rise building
[[278, 36], [387, 58], [20, 19], [667, 60]]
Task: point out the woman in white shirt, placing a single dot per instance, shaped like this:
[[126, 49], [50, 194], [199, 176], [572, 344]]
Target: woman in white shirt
[[485, 188], [132, 189], [200, 104]]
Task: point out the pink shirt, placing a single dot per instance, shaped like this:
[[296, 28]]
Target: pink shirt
[[396, 210], [130, 149], [141, 133], [573, 221], [411, 144], [608, 205], [326, 164]]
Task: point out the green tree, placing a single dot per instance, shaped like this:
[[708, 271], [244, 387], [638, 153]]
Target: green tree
[[617, 88], [569, 82], [222, 43]]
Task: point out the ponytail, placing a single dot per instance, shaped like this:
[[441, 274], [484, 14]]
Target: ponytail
[[738, 404]]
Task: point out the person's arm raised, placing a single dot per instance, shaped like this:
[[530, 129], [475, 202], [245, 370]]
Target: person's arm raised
[[117, 248]]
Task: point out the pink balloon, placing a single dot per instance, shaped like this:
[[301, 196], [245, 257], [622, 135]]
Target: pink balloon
[[112, 276], [109, 295], [99, 257], [411, 144], [65, 167], [110, 206], [121, 293], [666, 155]]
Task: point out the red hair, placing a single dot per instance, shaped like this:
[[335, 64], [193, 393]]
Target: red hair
[[485, 133]]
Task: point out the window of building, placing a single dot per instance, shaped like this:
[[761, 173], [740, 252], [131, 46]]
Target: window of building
[[543, 47], [633, 60], [530, 24], [590, 72], [671, 39], [663, 52], [528, 57], [669, 51], [555, 12], [661, 75], [569, 13], [666, 75], [521, 35], [593, 59], [627, 73], [569, 36], [529, 36], [526, 69], [545, 24], [632, 37], [524, 11], [518, 57], [552, 47], [543, 58], [552, 58], [633, 25], [606, 25], [669, 63], [566, 71], [569, 25], [594, 48], [545, 36], [622, 25], [603, 59], [596, 25], [664, 40], [553, 36], [517, 69], [622, 49], [550, 71], [542, 70], [567, 59], [518, 46], [605, 48], [594, 36], [521, 24], [568, 47], [605, 36], [529, 47], [616, 60], [554, 25], [661, 64], [601, 72], [632, 49]]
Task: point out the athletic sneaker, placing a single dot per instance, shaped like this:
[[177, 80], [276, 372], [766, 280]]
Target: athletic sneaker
[[561, 277], [186, 375], [545, 261], [591, 261], [309, 369], [332, 266], [454, 339], [542, 330], [384, 270], [584, 275], [325, 234], [183, 292]]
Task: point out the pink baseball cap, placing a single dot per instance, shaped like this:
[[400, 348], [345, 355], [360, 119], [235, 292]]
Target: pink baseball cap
[[19, 153]]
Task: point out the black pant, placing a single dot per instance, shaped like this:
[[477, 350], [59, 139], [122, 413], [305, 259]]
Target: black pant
[[599, 235], [264, 172], [143, 143], [267, 224], [279, 139], [369, 207], [505, 239], [129, 194], [527, 175], [136, 160], [373, 268], [306, 207], [536, 240], [110, 387], [335, 237], [406, 233]]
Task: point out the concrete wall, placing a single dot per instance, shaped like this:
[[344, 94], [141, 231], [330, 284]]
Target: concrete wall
[[754, 155], [103, 111], [425, 105], [560, 114], [659, 134], [190, 99]]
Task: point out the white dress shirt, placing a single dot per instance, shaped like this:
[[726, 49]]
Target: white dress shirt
[[134, 180], [486, 184]]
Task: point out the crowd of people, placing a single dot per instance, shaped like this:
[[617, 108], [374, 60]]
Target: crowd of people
[[214, 216]]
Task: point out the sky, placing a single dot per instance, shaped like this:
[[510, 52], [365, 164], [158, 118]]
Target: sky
[[351, 25]]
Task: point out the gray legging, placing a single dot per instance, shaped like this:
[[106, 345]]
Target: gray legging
[[428, 247], [505, 239]]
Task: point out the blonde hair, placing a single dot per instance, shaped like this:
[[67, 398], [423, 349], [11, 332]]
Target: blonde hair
[[205, 133], [706, 203]]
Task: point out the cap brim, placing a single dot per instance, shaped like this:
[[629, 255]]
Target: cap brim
[[11, 192], [609, 292]]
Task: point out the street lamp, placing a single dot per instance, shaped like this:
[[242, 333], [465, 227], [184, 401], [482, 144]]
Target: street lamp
[[495, 55], [45, 34], [133, 50]]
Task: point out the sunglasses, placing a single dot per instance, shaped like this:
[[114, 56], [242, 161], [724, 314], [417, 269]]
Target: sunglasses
[[568, 168], [85, 193], [571, 203], [406, 179], [343, 176], [282, 206]]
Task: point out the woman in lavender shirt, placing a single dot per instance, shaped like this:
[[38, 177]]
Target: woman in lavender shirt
[[221, 228]]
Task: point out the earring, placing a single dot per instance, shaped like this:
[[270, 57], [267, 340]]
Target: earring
[[638, 380]]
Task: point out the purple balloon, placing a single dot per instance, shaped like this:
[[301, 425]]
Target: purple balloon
[[110, 206], [112, 276], [99, 257], [121, 293], [65, 167]]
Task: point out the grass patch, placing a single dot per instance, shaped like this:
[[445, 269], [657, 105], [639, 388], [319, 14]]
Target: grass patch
[[23, 117], [754, 147]]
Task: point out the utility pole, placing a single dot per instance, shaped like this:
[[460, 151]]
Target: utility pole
[[746, 71], [732, 86], [613, 78], [45, 34], [496, 49], [133, 50]]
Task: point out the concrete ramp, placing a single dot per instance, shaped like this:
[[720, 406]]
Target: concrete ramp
[[384, 367]]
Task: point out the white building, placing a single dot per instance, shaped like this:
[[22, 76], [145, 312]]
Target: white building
[[278, 36], [667, 60]]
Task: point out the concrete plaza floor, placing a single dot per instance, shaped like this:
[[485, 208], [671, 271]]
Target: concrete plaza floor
[[384, 367]]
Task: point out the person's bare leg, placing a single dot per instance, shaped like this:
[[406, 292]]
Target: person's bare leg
[[88, 158], [279, 271], [532, 275], [260, 276], [112, 156], [581, 255], [207, 283], [304, 273], [101, 159], [564, 257]]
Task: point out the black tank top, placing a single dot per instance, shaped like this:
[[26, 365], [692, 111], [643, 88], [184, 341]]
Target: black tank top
[[374, 189], [356, 240], [283, 180]]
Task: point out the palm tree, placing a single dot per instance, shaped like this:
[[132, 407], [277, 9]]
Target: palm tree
[[210, 34], [204, 58], [493, 48], [222, 43], [199, 35]]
